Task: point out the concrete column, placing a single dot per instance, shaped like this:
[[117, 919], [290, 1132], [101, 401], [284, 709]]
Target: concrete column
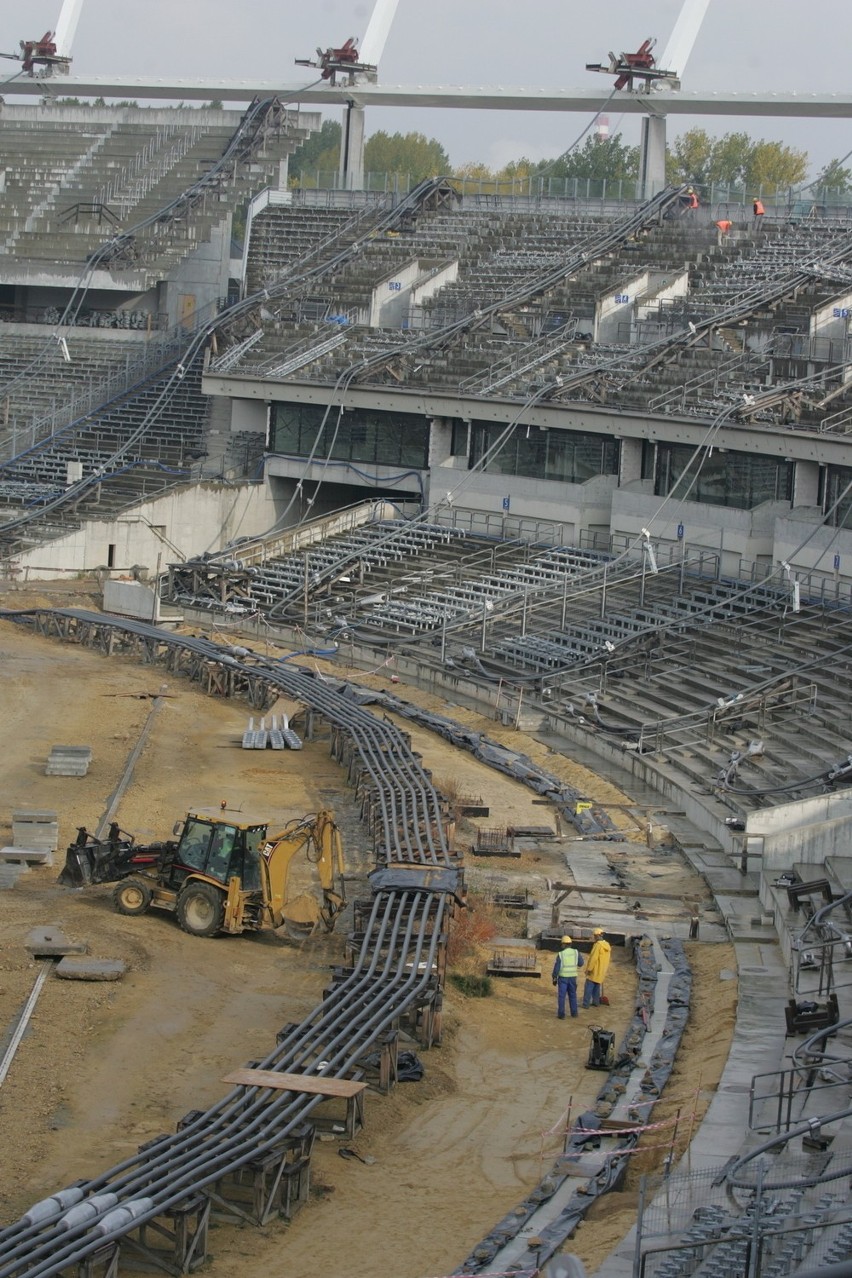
[[630, 461], [806, 483], [652, 156], [352, 148]]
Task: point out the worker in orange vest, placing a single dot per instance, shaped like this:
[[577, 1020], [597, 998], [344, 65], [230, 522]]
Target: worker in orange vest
[[759, 210]]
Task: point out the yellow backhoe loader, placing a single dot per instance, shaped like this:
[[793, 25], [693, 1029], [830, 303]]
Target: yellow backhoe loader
[[219, 875]]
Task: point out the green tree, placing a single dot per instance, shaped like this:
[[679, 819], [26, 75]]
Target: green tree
[[775, 166], [689, 157], [597, 158], [471, 169], [321, 151], [735, 159], [405, 153], [834, 177]]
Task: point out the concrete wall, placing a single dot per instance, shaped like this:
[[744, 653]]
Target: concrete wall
[[617, 307], [830, 320], [178, 525], [577, 506], [391, 297], [202, 275], [248, 414], [131, 599]]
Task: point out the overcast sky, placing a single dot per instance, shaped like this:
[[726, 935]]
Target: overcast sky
[[743, 45]]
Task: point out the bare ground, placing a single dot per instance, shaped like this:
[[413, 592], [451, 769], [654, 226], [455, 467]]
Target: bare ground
[[104, 1068]]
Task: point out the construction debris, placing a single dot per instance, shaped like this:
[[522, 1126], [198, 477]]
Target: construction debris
[[90, 969]]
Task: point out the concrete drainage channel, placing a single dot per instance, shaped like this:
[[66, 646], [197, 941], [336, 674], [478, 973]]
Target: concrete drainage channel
[[155, 1206]]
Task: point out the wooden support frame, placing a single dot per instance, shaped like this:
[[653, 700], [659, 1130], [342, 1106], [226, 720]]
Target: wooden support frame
[[276, 1183], [384, 1076], [102, 1263], [182, 1229]]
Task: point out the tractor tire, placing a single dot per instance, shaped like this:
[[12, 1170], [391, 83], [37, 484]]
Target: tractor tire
[[201, 909], [132, 897]]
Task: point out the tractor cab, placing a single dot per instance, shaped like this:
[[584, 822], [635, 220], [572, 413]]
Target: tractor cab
[[220, 850]]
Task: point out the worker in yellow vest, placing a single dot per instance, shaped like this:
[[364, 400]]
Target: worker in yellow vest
[[565, 968], [596, 968]]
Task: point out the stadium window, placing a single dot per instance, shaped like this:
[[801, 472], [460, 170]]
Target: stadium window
[[459, 437], [739, 480], [568, 457]]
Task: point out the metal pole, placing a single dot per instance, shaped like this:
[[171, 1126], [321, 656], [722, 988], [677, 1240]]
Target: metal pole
[[564, 599], [24, 1020], [484, 617], [524, 613], [642, 587], [603, 594], [306, 594], [443, 637]]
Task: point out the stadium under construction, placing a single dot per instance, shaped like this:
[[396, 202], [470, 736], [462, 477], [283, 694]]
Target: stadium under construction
[[577, 460]]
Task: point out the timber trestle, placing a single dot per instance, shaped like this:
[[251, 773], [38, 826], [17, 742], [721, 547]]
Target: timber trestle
[[247, 1157]]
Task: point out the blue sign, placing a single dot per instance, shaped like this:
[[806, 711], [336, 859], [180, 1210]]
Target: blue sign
[[622, 297], [837, 563], [680, 531], [840, 312], [394, 286], [506, 502]]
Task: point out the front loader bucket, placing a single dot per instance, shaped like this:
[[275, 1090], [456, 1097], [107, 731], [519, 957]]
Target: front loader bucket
[[77, 871]]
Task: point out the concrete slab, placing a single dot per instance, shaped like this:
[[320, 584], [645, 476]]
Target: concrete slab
[[51, 942], [90, 969]]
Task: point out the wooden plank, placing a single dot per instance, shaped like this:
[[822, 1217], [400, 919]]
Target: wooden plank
[[295, 1082]]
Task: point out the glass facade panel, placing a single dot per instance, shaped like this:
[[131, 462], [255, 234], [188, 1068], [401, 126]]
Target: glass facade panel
[[568, 456], [837, 480], [358, 435], [740, 480]]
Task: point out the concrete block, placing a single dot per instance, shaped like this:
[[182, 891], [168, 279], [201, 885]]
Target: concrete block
[[9, 875], [31, 829], [90, 969], [25, 856], [69, 761], [51, 942]]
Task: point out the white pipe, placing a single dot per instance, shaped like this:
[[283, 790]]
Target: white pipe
[[684, 33], [24, 1021], [378, 30], [66, 26]]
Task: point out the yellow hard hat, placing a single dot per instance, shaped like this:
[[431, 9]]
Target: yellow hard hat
[[566, 940], [598, 931]]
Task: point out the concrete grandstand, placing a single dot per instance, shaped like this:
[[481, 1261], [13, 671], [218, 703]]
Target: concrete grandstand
[[587, 465]]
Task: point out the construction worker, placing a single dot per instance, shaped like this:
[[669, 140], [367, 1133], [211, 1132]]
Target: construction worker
[[688, 199], [567, 965], [759, 210], [596, 968]]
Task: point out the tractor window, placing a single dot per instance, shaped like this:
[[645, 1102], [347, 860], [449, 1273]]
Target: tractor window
[[255, 840], [192, 849], [221, 853]]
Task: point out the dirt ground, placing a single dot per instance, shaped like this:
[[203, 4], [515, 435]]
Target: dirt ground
[[104, 1068]]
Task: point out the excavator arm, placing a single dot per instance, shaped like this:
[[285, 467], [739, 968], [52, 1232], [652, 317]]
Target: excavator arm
[[319, 838]]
